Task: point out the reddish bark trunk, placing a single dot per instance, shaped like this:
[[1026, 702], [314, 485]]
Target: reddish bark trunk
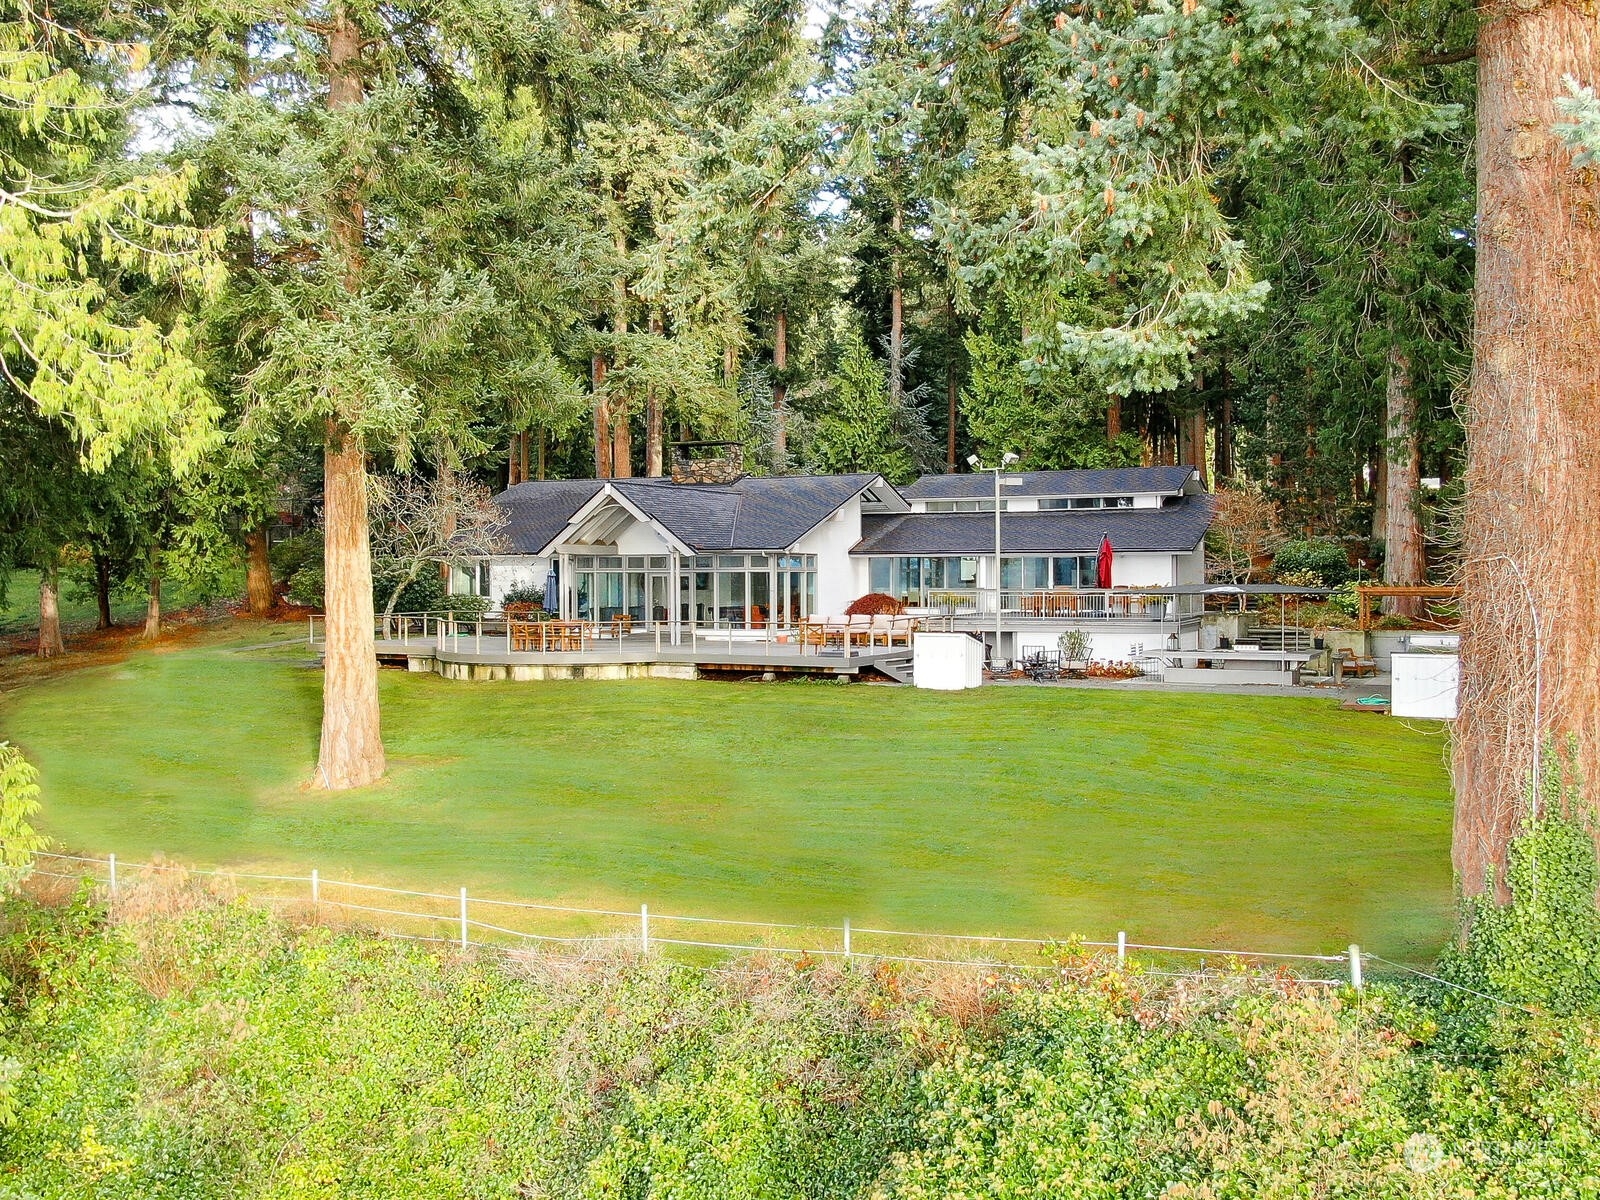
[[352, 744], [1531, 524], [780, 389], [1114, 419], [1405, 559], [258, 572], [652, 419], [351, 750], [896, 319], [50, 643], [1222, 457], [602, 418], [152, 604]]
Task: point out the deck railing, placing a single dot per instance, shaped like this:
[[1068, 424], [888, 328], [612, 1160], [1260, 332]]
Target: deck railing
[[1065, 604], [1019, 607]]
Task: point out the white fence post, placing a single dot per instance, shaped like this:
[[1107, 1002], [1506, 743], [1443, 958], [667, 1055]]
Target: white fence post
[[847, 937], [316, 887], [1355, 967], [644, 928], [463, 918], [112, 859], [1122, 948]]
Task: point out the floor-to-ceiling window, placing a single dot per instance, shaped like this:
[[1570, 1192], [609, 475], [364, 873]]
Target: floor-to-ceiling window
[[922, 581], [1037, 572], [598, 587], [747, 591]]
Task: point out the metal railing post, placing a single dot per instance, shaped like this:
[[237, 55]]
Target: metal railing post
[[112, 859], [463, 918], [1356, 980], [1122, 948], [644, 928]]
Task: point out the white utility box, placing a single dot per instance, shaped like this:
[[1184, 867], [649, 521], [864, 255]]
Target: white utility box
[[1425, 685], [946, 662]]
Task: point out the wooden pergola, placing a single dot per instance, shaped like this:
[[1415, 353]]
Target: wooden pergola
[[1367, 593]]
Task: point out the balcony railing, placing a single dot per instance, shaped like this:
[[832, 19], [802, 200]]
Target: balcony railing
[[1063, 604]]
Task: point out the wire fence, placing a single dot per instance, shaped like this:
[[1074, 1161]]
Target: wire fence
[[464, 921]]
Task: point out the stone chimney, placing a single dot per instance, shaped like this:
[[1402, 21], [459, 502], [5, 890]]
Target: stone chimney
[[707, 462]]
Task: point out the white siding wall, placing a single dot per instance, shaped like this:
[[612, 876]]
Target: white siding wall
[[839, 580], [1191, 567], [639, 538], [1141, 570]]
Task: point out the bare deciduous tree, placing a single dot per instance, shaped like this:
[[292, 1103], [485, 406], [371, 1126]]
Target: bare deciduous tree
[[1245, 528], [417, 523]]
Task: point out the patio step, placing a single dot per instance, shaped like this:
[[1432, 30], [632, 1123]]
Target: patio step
[[897, 669]]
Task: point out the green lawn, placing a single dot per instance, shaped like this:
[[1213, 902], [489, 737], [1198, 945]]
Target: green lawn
[[1207, 819], [19, 604]]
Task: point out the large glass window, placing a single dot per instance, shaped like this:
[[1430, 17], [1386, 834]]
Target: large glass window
[[879, 573], [760, 597]]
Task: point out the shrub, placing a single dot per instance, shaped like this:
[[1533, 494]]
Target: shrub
[[1323, 556], [875, 604], [19, 804], [1301, 578], [293, 554], [1074, 645], [1345, 600], [523, 593]]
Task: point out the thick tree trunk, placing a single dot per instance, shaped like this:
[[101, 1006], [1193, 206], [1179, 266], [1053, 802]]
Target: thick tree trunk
[[522, 460], [602, 418], [539, 460], [258, 572], [621, 430], [952, 404], [652, 418], [102, 591], [1405, 559], [1114, 418], [780, 389], [152, 604], [351, 750], [513, 461], [1531, 523], [1380, 495], [50, 643], [351, 754], [896, 320], [1222, 457]]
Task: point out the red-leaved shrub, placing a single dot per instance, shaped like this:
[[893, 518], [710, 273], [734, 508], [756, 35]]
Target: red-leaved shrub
[[875, 604]]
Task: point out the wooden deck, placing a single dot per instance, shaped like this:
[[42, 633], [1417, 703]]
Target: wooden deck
[[467, 657]]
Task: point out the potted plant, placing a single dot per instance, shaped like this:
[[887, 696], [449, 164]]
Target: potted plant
[[1075, 648]]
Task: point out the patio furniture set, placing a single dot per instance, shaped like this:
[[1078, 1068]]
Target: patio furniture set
[[547, 636], [859, 630]]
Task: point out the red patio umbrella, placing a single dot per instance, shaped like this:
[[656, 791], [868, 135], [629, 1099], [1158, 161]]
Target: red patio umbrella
[[1104, 565]]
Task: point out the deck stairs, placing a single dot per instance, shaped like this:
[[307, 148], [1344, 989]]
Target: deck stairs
[[897, 668]]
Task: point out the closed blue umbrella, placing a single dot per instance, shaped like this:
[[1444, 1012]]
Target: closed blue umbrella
[[552, 592]]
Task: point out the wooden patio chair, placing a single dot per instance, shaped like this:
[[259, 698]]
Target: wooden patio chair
[[1351, 663]]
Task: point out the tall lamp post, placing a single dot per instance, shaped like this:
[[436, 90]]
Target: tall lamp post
[[1006, 460]]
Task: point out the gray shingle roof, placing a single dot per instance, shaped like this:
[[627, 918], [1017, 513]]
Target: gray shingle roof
[[1106, 481], [769, 513], [537, 511], [1175, 528]]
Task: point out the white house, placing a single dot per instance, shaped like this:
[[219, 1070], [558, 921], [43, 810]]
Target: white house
[[772, 551]]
